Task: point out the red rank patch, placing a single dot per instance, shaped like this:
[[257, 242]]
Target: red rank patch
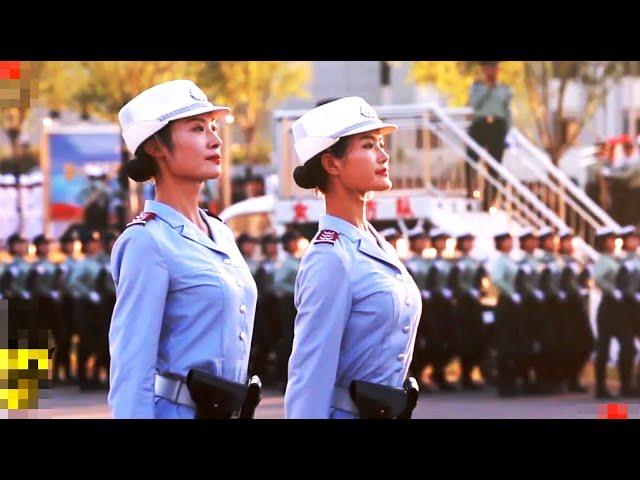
[[142, 218], [327, 236]]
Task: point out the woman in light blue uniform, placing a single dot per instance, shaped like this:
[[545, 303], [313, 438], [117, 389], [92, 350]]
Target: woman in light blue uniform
[[358, 307], [185, 298]]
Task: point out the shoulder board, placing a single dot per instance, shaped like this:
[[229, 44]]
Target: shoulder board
[[327, 236], [142, 219], [212, 215]]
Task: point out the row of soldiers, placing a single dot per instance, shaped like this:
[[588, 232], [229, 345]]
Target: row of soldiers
[[542, 324], [618, 316], [51, 302], [541, 334], [452, 311]]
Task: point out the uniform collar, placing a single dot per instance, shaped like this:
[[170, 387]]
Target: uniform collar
[[329, 222], [185, 227], [382, 253]]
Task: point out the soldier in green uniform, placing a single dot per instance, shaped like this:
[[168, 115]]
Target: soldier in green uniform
[[537, 333], [67, 318], [427, 335], [41, 282], [14, 287], [83, 284], [106, 288], [508, 319], [556, 320], [284, 286], [610, 319], [466, 278], [446, 345], [628, 280], [265, 328], [578, 340]]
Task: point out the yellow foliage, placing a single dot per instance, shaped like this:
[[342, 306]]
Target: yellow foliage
[[252, 88], [104, 87]]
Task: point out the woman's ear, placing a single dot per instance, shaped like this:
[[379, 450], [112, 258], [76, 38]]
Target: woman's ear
[[331, 164], [152, 147]]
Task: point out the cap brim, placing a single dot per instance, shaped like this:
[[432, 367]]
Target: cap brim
[[308, 147], [385, 129], [220, 110]]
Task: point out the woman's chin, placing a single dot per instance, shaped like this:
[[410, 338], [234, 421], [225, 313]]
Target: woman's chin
[[383, 185], [212, 173]]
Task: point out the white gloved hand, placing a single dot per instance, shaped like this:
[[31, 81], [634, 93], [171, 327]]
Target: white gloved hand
[[516, 298], [426, 294], [94, 297], [617, 294], [475, 293], [538, 294], [446, 293], [562, 296]]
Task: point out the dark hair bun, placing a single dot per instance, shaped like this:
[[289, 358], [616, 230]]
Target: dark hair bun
[[141, 169], [304, 177]]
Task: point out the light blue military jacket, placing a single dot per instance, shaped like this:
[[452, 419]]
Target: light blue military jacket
[[358, 312], [182, 301], [503, 274]]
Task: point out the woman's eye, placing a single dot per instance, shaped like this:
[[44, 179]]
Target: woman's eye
[[199, 128]]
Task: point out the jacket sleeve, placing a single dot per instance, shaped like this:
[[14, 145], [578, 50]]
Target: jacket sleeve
[[142, 281], [323, 300]]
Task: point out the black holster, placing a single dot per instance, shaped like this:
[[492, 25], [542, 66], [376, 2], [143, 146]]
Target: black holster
[[218, 398], [375, 401]]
